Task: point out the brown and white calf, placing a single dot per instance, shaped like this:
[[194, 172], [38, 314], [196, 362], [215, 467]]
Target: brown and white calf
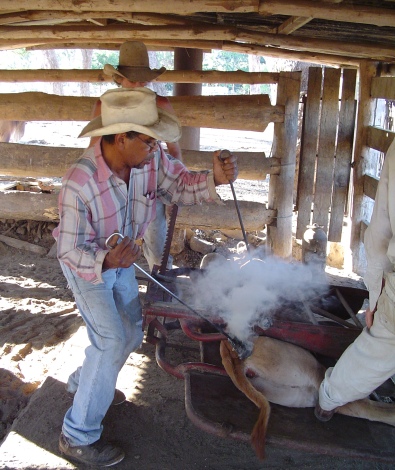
[[288, 375]]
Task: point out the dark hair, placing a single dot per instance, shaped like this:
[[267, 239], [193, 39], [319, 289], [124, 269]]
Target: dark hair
[[111, 137]]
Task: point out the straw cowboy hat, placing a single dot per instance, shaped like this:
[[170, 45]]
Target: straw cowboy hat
[[133, 64], [133, 109]]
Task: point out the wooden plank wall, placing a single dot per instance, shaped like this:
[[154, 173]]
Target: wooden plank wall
[[326, 150], [378, 138], [342, 170], [368, 136]]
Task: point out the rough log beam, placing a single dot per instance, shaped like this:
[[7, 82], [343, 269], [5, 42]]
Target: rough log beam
[[172, 76], [383, 87], [247, 112], [33, 17], [379, 139], [141, 33], [43, 161], [212, 216], [370, 184], [294, 23], [178, 7], [311, 57], [89, 45], [291, 24], [23, 205], [333, 12]]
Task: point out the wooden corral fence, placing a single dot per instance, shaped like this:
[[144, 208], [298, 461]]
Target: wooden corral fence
[[326, 150], [251, 113], [369, 138]]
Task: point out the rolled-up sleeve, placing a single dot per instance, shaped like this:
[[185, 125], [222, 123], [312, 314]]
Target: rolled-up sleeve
[[178, 185]]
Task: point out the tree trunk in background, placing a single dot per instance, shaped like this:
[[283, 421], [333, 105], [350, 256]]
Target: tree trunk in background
[[158, 87], [53, 63], [188, 59], [254, 65], [86, 64]]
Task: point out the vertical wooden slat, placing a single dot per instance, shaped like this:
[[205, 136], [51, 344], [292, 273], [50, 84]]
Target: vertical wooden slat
[[341, 177], [365, 113], [308, 152], [284, 148], [326, 147]]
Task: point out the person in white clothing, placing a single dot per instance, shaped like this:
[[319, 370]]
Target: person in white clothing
[[370, 360]]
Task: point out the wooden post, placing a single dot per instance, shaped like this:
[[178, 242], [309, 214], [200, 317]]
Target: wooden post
[[308, 152], [188, 59], [367, 71], [284, 148]]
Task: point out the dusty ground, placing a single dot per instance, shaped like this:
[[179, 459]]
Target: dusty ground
[[42, 340]]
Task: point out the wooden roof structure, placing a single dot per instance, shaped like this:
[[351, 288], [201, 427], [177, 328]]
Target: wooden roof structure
[[330, 32]]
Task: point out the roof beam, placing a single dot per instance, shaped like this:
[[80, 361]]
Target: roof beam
[[311, 57], [196, 33], [178, 7], [296, 22], [300, 8], [331, 12], [23, 17], [291, 25]]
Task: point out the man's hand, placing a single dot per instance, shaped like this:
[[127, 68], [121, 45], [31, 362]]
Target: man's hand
[[122, 255], [224, 171], [369, 316]]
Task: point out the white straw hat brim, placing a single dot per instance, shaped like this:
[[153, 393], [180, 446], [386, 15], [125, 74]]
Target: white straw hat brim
[[167, 128]]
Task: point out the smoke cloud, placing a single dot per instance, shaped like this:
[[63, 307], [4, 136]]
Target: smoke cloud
[[245, 293]]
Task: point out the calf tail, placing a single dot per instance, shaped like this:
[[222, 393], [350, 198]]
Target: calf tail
[[234, 368]]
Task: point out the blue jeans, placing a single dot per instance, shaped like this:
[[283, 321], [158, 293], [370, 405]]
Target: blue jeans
[[112, 313]]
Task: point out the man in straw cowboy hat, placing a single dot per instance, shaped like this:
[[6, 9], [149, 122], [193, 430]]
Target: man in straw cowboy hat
[[114, 187], [133, 71]]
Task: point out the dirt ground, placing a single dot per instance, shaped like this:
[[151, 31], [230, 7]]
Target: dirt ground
[[42, 340]]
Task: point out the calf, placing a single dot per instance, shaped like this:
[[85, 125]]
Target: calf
[[287, 375]]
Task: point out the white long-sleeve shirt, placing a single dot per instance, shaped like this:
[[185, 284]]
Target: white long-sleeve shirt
[[380, 235]]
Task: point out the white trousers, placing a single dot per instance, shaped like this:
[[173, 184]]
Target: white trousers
[[366, 364]]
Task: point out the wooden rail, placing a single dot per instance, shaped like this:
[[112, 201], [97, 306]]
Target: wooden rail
[[44, 206], [173, 76], [246, 112], [50, 162]]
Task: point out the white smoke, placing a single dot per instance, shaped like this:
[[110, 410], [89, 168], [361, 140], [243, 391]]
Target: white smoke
[[246, 295]]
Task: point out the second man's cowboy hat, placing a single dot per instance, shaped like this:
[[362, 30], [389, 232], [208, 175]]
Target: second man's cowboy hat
[[133, 109], [133, 64]]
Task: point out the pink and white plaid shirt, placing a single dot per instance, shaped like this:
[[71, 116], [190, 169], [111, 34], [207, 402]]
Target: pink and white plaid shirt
[[94, 203]]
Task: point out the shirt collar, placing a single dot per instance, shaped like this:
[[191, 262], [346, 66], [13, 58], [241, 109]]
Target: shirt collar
[[103, 171]]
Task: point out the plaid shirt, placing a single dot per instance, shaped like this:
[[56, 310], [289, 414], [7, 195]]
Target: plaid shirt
[[94, 203]]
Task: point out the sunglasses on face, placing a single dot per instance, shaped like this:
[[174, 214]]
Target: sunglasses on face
[[149, 143]]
